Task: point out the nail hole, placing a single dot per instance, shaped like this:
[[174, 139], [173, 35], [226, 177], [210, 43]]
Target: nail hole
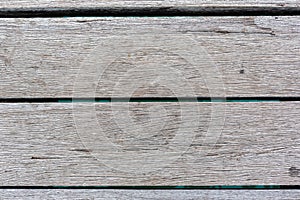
[[294, 172]]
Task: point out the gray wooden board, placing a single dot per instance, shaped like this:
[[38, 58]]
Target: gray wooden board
[[142, 3], [121, 144], [154, 57], [150, 194]]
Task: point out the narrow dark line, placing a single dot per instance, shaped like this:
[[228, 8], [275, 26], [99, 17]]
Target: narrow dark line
[[258, 99], [147, 11], [30, 100], [149, 99], [218, 187]]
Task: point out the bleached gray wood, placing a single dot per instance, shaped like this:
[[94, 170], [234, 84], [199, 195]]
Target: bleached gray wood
[[150, 194], [39, 145], [255, 56], [142, 3]]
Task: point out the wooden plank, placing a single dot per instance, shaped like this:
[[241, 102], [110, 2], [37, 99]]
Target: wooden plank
[[142, 3], [154, 57], [150, 194], [121, 144]]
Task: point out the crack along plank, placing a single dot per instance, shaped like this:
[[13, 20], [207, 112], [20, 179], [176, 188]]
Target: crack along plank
[[134, 144]]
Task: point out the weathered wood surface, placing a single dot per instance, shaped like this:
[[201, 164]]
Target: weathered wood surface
[[142, 3], [232, 56], [40, 144], [150, 194]]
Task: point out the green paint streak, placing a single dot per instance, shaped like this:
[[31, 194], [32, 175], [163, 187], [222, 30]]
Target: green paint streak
[[217, 100], [64, 101]]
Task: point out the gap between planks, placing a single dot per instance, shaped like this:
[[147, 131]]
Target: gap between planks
[[149, 99], [148, 11]]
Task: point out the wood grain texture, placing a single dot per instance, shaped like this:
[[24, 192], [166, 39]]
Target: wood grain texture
[[142, 3], [153, 57], [150, 194], [40, 144]]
